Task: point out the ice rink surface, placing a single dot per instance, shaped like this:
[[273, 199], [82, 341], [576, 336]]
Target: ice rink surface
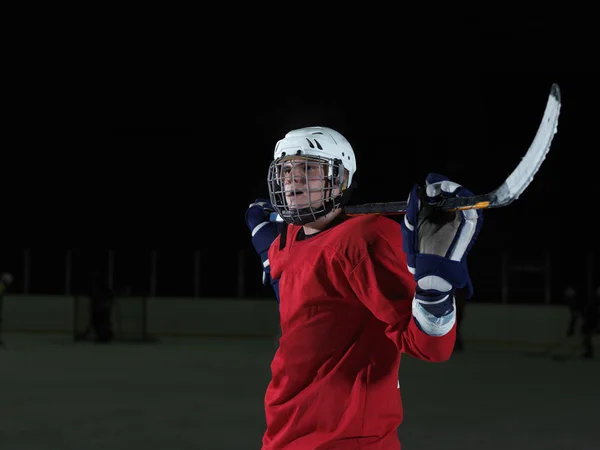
[[206, 394]]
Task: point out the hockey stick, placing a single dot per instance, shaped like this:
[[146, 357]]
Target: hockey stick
[[504, 195], [512, 187]]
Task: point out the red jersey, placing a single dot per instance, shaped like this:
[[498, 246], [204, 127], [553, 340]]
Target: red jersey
[[346, 316]]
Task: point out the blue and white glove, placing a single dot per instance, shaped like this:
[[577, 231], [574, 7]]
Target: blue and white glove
[[264, 233], [436, 244]]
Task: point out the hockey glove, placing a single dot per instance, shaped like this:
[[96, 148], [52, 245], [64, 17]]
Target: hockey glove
[[437, 242], [263, 231]]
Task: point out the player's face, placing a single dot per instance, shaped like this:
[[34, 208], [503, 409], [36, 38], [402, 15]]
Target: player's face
[[303, 182]]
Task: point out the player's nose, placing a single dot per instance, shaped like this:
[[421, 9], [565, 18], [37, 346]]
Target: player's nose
[[297, 176]]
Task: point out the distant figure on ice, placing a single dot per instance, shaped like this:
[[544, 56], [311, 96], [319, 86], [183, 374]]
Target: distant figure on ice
[[586, 311], [6, 280], [102, 299]]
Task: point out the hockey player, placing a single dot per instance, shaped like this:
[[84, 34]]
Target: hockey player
[[6, 279], [355, 293], [586, 311], [102, 297]]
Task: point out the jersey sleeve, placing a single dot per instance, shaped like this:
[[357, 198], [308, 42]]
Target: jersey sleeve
[[382, 282]]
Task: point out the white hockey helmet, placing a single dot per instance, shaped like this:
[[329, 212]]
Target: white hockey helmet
[[321, 144]]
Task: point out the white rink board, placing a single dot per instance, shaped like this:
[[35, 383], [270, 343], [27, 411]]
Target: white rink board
[[500, 324]]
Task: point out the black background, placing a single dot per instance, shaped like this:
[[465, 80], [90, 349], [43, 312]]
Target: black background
[[164, 140]]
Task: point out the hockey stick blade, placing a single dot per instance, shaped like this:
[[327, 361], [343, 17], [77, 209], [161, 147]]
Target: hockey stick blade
[[512, 187], [504, 195]]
